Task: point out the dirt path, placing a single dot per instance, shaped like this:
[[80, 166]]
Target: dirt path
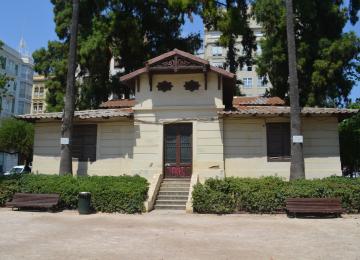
[[175, 235]]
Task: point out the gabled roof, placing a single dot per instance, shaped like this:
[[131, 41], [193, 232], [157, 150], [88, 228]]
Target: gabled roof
[[178, 53]]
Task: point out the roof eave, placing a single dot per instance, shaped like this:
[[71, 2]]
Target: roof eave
[[136, 73]]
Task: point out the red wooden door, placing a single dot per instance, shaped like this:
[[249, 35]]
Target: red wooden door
[[178, 150]]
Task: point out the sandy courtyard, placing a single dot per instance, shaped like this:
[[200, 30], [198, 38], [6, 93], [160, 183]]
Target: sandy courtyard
[[175, 235]]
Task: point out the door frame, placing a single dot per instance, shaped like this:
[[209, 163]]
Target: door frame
[[164, 145]]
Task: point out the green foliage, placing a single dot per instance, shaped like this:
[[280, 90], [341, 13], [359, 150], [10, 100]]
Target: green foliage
[[16, 135], [355, 105], [327, 59], [66, 186], [8, 186], [123, 194], [354, 7], [231, 18], [349, 134], [207, 199], [268, 194], [4, 79], [131, 31]]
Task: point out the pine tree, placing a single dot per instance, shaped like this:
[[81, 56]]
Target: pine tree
[[130, 31], [67, 124], [297, 166], [327, 59]]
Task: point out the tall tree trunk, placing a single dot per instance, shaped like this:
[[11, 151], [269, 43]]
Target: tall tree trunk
[[231, 59], [297, 167], [66, 128]]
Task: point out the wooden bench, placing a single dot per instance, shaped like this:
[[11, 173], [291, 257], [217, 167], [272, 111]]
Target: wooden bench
[[312, 206], [33, 200]]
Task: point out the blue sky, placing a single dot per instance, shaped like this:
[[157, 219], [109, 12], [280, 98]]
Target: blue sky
[[33, 19]]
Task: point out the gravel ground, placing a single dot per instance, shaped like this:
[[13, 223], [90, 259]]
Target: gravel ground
[[175, 235]]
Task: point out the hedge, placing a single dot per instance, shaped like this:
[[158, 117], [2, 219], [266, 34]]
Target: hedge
[[268, 194], [8, 186], [123, 194]]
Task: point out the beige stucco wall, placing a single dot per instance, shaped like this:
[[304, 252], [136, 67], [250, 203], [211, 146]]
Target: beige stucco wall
[[178, 95], [237, 145], [136, 146], [155, 108], [221, 146], [114, 149], [245, 149], [207, 140]]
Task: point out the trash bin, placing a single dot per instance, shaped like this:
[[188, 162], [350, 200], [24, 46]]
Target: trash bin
[[84, 203]]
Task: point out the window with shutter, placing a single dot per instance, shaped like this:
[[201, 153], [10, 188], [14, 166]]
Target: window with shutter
[[278, 142], [83, 145]]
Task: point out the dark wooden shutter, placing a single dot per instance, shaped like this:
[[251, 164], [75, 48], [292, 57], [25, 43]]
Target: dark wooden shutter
[[278, 141], [83, 144]]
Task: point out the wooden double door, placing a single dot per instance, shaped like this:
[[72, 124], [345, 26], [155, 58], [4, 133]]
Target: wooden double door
[[178, 150]]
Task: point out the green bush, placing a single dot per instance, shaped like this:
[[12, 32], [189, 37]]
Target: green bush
[[66, 186], [208, 200], [268, 194], [8, 186], [123, 194]]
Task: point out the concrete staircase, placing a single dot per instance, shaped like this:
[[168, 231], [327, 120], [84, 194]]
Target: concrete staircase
[[173, 194]]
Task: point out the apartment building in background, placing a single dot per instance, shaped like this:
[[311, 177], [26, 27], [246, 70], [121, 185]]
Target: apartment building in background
[[252, 84], [38, 103], [17, 100]]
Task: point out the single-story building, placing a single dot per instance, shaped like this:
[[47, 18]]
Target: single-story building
[[185, 123]]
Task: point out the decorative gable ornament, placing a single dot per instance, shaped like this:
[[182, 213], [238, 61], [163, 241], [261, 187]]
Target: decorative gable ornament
[[192, 85], [164, 86], [176, 62]]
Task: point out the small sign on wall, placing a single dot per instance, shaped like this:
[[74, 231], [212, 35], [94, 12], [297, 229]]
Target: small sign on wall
[[298, 139], [64, 140]]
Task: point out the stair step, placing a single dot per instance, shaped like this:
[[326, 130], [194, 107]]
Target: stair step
[[170, 202], [175, 185], [173, 193], [170, 207], [172, 197], [165, 189], [177, 180]]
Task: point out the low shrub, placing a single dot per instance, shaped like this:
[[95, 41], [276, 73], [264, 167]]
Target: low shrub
[[268, 194], [8, 186], [66, 186], [209, 200], [123, 194]]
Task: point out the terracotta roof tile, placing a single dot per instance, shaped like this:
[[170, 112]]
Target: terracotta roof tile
[[133, 74], [118, 103], [268, 101], [82, 114], [285, 110]]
